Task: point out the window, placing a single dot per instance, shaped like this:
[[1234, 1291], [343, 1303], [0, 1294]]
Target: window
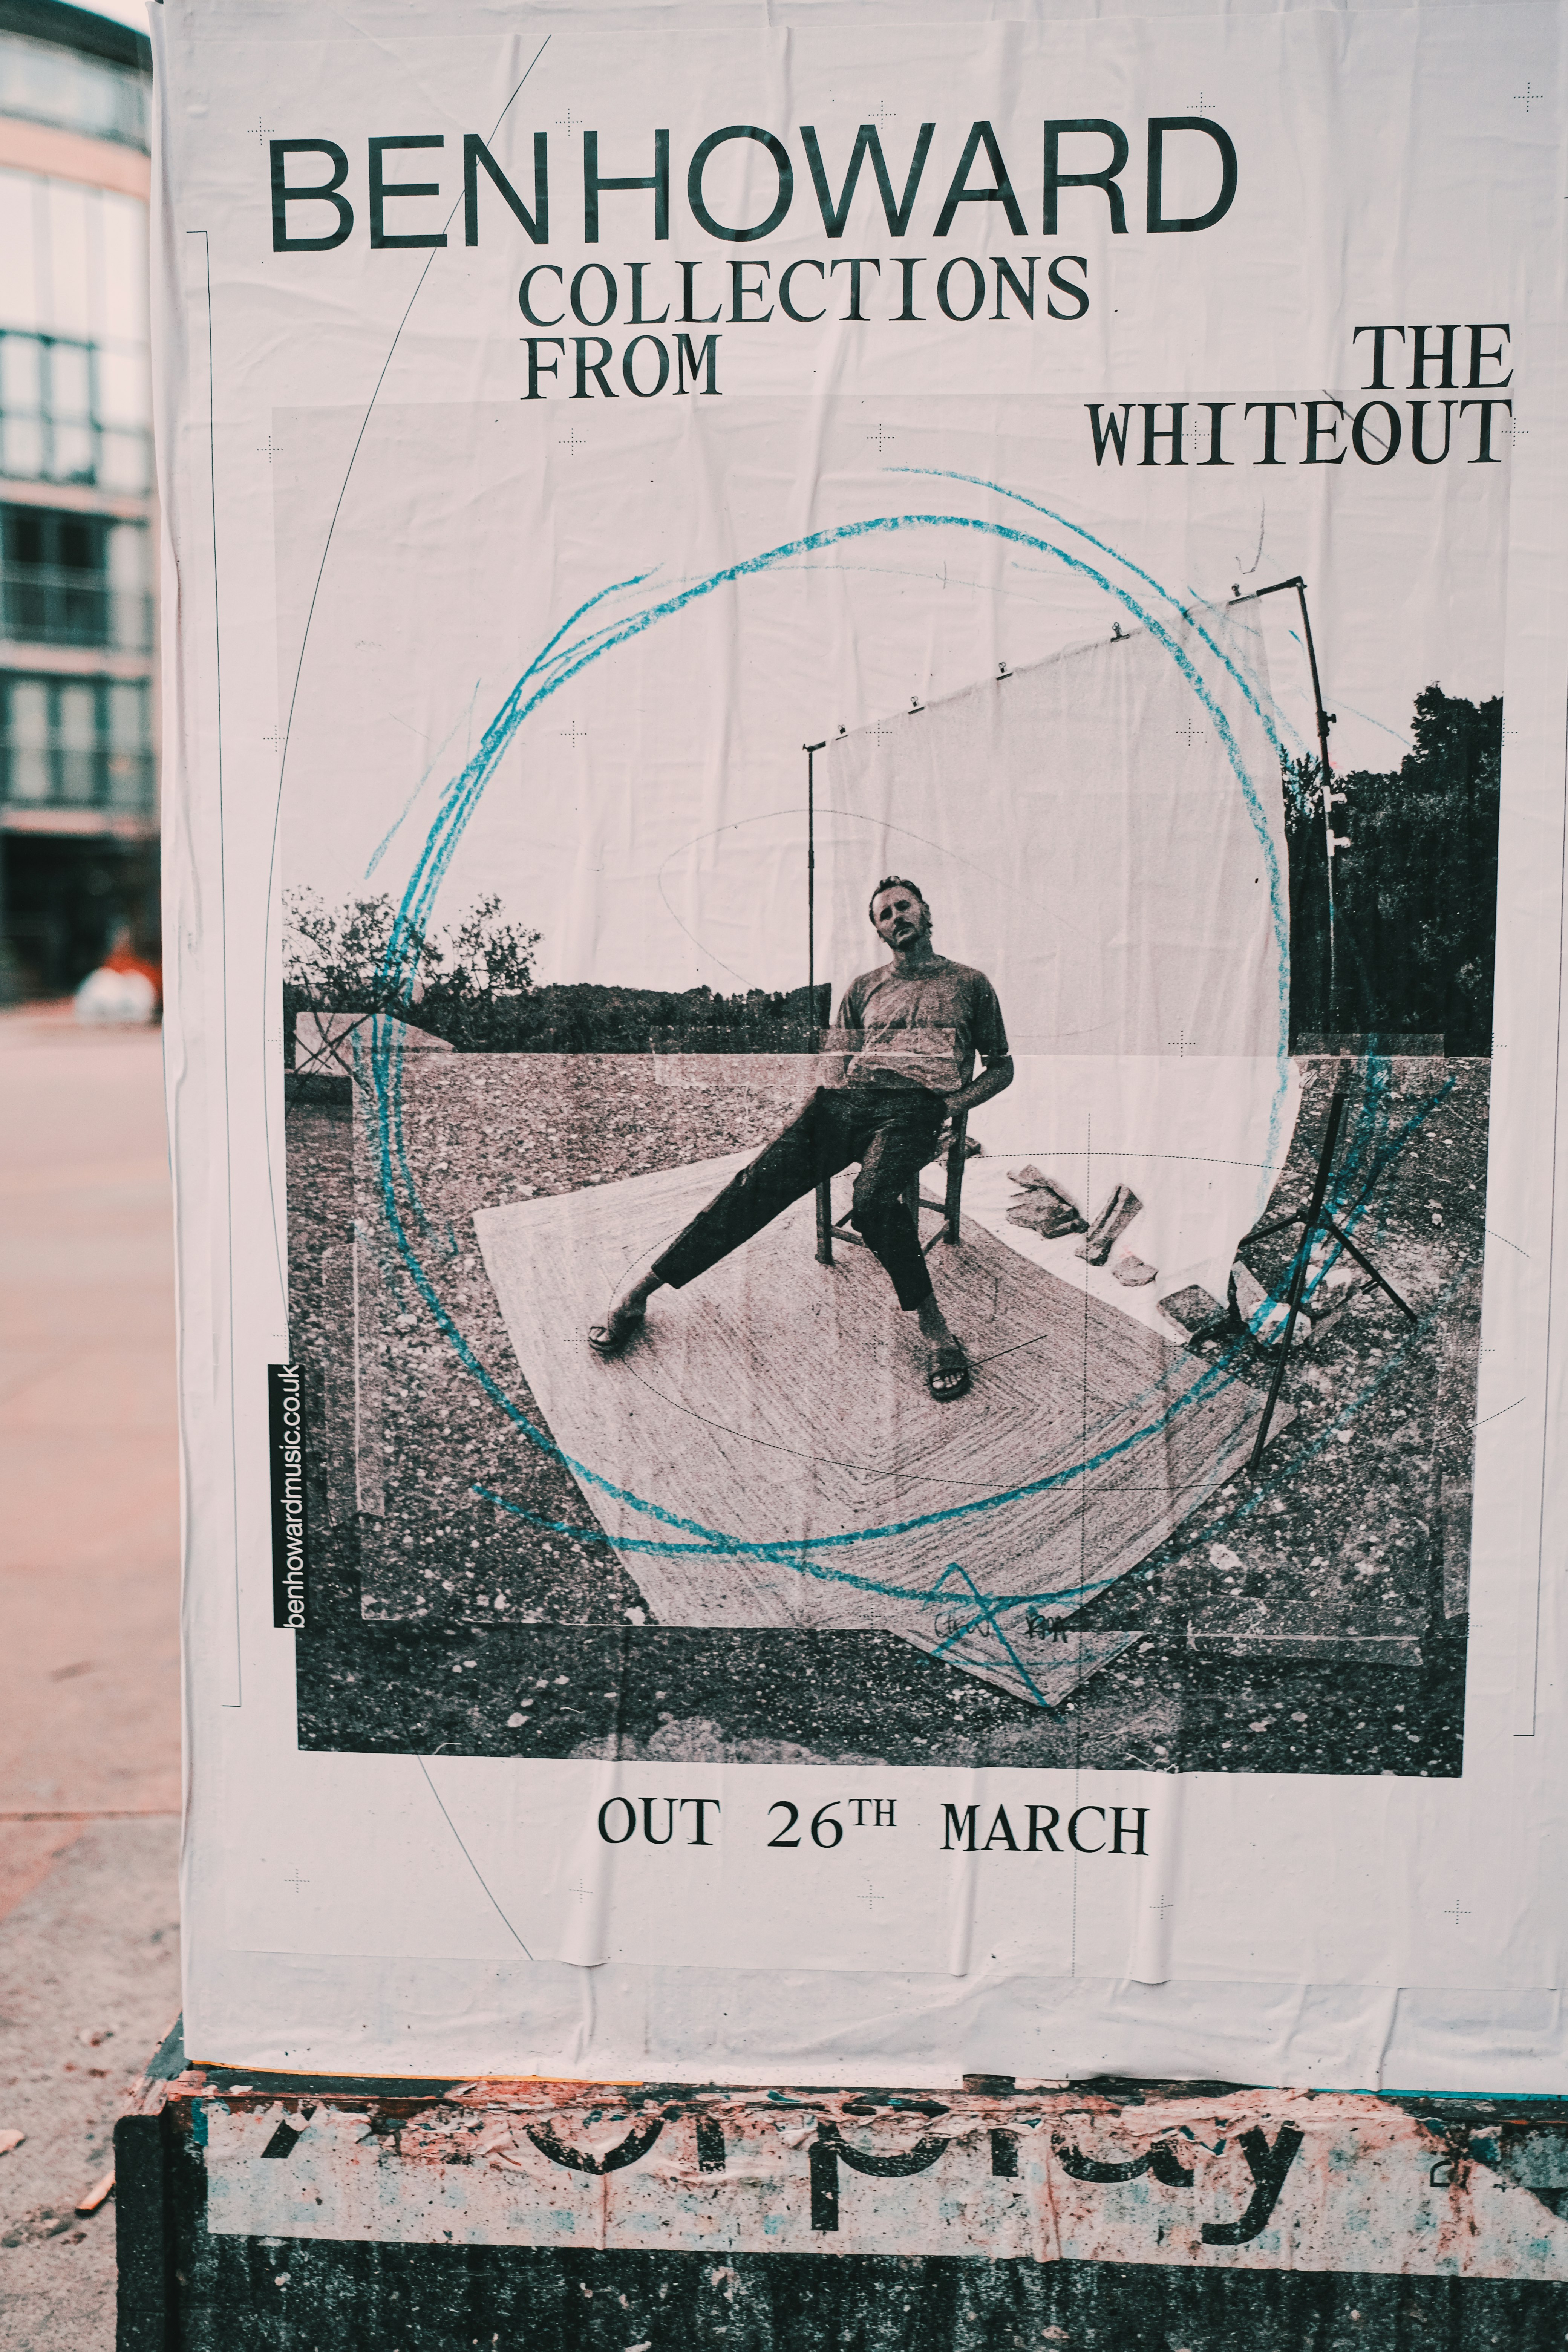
[[130, 758], [45, 83], [52, 423], [76, 743], [74, 580]]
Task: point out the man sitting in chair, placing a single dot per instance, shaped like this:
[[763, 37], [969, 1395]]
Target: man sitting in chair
[[921, 1021]]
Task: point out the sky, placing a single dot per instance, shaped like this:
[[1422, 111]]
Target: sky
[[124, 12]]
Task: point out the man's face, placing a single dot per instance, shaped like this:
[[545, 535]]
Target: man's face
[[900, 918]]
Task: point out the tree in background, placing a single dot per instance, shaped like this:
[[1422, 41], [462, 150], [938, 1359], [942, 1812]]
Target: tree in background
[[1415, 891], [474, 986], [335, 960]]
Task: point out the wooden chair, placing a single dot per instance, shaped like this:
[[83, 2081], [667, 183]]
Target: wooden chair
[[947, 1208]]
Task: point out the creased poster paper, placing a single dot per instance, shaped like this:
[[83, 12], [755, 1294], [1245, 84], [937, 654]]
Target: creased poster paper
[[918, 1256]]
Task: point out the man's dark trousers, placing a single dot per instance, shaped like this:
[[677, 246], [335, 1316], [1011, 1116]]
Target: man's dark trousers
[[892, 1132]]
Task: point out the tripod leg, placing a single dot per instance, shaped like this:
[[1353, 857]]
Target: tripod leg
[[1275, 1226], [1297, 1278], [1309, 1224], [1367, 1266]]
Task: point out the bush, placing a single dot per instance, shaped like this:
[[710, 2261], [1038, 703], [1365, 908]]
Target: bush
[[1415, 889]]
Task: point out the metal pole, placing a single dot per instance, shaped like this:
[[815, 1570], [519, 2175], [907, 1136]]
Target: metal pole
[[1324, 723], [1325, 720], [811, 751], [824, 1197]]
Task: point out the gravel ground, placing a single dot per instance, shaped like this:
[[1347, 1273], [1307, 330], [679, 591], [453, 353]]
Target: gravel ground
[[89, 1984], [1341, 1540]]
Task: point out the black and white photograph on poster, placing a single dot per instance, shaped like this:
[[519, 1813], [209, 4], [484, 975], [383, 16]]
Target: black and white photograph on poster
[[887, 1082]]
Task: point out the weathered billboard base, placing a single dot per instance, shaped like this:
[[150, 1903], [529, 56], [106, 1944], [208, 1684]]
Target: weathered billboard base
[[272, 2211]]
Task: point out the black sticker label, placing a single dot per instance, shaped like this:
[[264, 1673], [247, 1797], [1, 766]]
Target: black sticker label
[[290, 1548]]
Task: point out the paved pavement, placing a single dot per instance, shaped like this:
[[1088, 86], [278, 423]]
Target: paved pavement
[[90, 1737]]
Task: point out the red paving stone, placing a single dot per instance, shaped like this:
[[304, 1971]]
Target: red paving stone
[[90, 1537]]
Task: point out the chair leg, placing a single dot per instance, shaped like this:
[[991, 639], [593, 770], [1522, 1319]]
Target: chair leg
[[955, 1156], [825, 1224]]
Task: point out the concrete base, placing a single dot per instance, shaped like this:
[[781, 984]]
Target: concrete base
[[273, 2212]]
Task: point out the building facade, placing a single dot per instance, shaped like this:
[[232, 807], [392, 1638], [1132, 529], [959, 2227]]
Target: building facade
[[78, 789]]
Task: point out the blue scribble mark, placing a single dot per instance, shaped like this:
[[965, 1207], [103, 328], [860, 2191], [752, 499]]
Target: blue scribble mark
[[796, 1552], [564, 657], [990, 1614], [558, 661]]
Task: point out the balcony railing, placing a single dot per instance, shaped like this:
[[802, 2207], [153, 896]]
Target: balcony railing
[[46, 81], [65, 776], [55, 604], [37, 447], [63, 415]]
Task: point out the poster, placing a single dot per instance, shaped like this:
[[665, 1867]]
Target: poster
[[758, 614]]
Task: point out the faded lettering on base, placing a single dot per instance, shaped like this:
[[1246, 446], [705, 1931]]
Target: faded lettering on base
[[1271, 2181]]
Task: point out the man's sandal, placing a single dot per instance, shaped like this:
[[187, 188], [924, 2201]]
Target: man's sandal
[[947, 1374], [608, 1339]]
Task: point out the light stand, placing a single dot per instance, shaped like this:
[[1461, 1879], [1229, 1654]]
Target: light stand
[[811, 751], [823, 1207], [1331, 840]]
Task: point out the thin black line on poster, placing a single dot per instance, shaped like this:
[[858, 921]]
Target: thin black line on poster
[[239, 1698], [277, 1245], [473, 1866], [1533, 1628], [1083, 1514]]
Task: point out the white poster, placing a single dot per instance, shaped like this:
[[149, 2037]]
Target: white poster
[[866, 836]]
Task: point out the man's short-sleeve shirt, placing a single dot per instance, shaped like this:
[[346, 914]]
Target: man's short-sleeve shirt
[[921, 1028]]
